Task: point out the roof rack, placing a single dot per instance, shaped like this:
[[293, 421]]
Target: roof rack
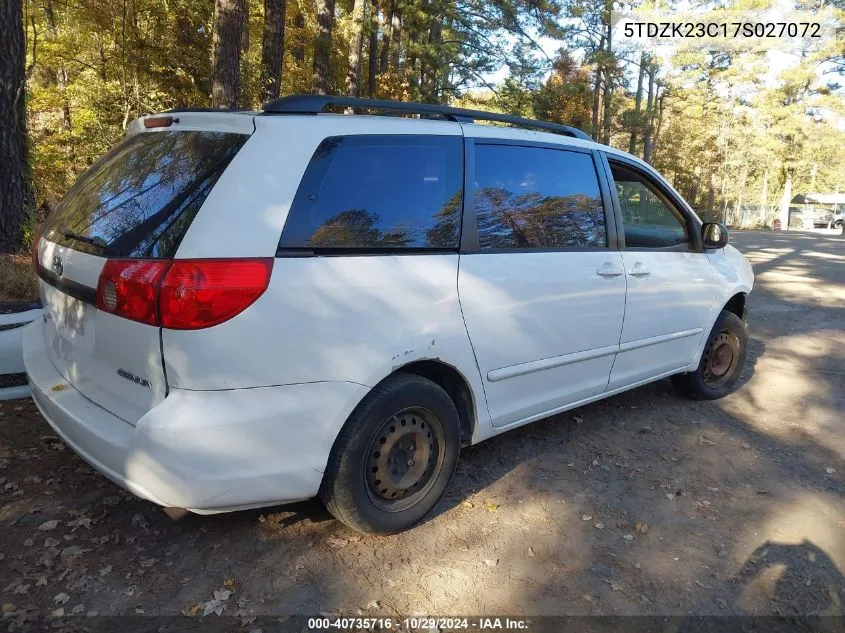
[[314, 104], [192, 109]]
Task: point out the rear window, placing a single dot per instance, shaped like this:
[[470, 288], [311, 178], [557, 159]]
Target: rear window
[[379, 192], [140, 198]]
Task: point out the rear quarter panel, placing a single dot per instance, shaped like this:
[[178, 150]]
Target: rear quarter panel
[[353, 319]]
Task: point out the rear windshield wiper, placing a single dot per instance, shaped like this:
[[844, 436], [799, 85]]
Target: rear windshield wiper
[[88, 240]]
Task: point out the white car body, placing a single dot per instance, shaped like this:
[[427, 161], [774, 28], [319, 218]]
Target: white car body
[[244, 413]]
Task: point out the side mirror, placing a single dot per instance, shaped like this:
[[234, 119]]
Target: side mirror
[[714, 234]]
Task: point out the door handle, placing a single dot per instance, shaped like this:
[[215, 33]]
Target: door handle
[[607, 273], [639, 271]]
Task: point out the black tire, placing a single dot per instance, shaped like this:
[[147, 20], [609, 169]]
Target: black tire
[[386, 501], [721, 362]]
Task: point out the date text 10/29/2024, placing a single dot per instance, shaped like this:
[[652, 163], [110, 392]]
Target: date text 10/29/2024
[[418, 623]]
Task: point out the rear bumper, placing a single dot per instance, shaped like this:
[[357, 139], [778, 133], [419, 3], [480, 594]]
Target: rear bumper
[[207, 451]]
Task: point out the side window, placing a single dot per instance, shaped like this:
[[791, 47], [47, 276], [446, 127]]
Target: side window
[[650, 220], [379, 191], [532, 197]]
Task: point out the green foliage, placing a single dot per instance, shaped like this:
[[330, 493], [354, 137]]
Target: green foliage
[[717, 125]]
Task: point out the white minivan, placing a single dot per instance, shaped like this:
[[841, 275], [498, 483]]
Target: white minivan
[[243, 309]]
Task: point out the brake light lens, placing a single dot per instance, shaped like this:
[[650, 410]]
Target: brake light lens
[[186, 294], [127, 288], [198, 294]]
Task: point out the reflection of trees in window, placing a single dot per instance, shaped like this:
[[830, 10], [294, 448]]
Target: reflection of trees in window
[[356, 228], [508, 220], [141, 190], [447, 228]]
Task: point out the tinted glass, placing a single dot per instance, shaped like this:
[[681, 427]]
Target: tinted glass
[[651, 221], [531, 197], [140, 198], [379, 192]]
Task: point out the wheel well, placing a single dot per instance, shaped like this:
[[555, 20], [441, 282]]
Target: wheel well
[[452, 383], [736, 304]]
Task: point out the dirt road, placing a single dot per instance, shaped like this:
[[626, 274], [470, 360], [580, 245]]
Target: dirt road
[[642, 504]]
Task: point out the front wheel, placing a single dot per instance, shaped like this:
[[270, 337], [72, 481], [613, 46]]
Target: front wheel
[[394, 457], [721, 362]]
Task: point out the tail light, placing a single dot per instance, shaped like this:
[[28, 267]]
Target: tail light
[[128, 288], [182, 294], [200, 293]]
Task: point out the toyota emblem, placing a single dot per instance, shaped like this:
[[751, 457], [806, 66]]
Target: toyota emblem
[[58, 267]]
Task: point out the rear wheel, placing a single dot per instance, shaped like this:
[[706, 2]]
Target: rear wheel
[[721, 362], [394, 457]]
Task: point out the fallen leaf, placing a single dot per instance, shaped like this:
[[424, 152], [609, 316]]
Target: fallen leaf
[[491, 506], [490, 562], [61, 598], [48, 525], [59, 387], [599, 525], [72, 552], [628, 537], [335, 542], [586, 517], [222, 595], [641, 527], [829, 470]]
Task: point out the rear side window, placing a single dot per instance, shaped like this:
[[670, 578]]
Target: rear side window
[[533, 197], [140, 198], [379, 192]]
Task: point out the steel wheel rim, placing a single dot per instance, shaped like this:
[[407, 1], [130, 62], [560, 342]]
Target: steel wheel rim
[[720, 359], [404, 458]]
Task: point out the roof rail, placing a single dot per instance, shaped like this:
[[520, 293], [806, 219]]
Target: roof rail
[[193, 109], [314, 104]]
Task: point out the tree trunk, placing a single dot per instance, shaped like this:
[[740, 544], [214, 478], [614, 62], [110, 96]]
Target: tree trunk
[[430, 71], [298, 51], [649, 115], [711, 192], [61, 71], [785, 200], [272, 48], [608, 85], [396, 35], [596, 96], [653, 140], [632, 145], [15, 193], [230, 16], [323, 45], [764, 194], [386, 32], [372, 55], [353, 75]]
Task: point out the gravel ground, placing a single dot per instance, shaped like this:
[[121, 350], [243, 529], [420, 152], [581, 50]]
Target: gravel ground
[[645, 503]]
